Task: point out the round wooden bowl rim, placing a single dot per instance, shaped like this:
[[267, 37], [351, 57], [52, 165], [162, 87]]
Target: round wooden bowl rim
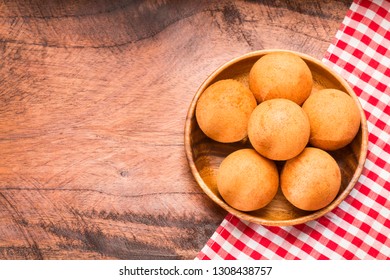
[[247, 216]]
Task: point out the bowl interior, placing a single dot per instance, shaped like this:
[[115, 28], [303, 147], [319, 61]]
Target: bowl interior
[[205, 155]]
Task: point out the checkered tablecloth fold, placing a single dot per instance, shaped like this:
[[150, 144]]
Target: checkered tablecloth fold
[[360, 227]]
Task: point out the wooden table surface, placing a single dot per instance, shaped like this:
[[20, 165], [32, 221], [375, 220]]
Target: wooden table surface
[[93, 100]]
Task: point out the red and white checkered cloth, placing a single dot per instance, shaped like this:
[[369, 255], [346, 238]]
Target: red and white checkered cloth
[[360, 227]]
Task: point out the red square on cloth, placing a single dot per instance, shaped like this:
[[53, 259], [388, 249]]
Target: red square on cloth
[[360, 227]]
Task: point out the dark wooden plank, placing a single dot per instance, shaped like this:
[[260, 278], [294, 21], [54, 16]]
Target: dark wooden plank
[[93, 99]]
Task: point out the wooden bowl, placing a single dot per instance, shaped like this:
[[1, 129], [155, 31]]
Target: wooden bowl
[[205, 155]]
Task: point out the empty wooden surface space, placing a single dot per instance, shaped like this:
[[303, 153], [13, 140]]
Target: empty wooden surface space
[[93, 101]]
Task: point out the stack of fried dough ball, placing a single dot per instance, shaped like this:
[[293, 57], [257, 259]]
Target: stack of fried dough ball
[[286, 122]]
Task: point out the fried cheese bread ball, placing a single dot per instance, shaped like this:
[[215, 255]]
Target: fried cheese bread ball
[[223, 111], [278, 129], [246, 180], [281, 75], [334, 119], [311, 180]]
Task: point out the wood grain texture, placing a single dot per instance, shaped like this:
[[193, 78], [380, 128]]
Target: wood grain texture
[[93, 101]]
